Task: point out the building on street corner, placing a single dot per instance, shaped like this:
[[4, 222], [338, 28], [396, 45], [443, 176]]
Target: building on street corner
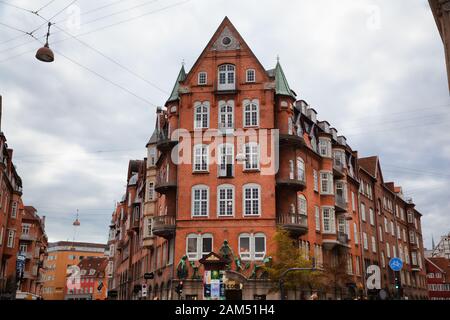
[[60, 257], [235, 156]]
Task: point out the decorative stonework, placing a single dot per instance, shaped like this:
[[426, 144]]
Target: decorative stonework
[[221, 42]]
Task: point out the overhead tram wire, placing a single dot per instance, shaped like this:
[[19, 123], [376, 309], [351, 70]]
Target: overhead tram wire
[[104, 27], [45, 6]]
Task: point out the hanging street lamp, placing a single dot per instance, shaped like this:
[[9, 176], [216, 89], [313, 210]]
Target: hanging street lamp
[[45, 54]]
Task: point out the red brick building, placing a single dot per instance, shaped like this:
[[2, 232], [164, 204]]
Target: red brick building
[[438, 278], [234, 156]]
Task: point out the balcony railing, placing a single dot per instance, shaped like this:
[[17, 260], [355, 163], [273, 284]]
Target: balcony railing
[[291, 140], [164, 185], [297, 224], [164, 226], [340, 203], [165, 143], [28, 237]]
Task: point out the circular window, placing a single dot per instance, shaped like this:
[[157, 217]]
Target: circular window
[[226, 41]]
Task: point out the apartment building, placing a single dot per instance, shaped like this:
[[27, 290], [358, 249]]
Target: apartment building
[[11, 212], [60, 257], [92, 281], [32, 248], [234, 156], [441, 13], [438, 278]]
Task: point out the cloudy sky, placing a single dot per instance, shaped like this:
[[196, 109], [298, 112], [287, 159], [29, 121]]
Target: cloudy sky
[[374, 69]]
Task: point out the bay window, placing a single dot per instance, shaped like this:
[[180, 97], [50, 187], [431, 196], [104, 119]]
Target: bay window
[[326, 183]]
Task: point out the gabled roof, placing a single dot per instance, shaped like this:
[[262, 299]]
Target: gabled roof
[[369, 164], [174, 96], [153, 138], [443, 264], [282, 85]]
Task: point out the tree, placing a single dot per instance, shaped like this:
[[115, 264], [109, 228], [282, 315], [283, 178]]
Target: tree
[[287, 256], [335, 277]]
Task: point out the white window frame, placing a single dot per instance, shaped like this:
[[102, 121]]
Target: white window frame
[[200, 188], [151, 191], [301, 172], [316, 180], [228, 115], [329, 182], [201, 158], [244, 199], [203, 110], [331, 220], [14, 210], [228, 71], [199, 253], [374, 245], [205, 82], [11, 238], [372, 216], [355, 233], [363, 212], [226, 188], [251, 108], [249, 152], [247, 73], [252, 255], [325, 147], [365, 241], [224, 158], [302, 205]]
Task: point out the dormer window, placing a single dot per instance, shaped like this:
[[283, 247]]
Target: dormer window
[[202, 78], [250, 75], [227, 77]]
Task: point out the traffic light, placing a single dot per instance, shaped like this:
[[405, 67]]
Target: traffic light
[[179, 288], [398, 283]]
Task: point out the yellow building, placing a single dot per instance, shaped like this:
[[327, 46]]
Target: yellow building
[[62, 255]]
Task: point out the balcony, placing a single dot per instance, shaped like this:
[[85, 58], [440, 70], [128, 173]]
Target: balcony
[[291, 140], [293, 184], [165, 143], [338, 169], [164, 187], [164, 226], [343, 238], [296, 224], [340, 204], [28, 237]]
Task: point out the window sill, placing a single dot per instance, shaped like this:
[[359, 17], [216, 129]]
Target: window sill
[[251, 170], [252, 216], [200, 172]]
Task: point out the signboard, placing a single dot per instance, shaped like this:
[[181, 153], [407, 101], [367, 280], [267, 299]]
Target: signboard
[[213, 285], [396, 264], [149, 276]]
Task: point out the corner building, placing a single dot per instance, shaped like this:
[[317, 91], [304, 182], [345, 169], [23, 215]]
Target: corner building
[[235, 155]]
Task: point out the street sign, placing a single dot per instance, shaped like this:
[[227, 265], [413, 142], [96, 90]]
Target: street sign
[[396, 264], [149, 276]]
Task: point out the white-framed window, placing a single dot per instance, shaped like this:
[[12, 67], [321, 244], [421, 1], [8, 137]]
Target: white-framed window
[[414, 258], [252, 247], [328, 220], [301, 169], [325, 147], [251, 113], [225, 200], [402, 214], [290, 126], [2, 230], [405, 239], [226, 115], [371, 217], [151, 191], [201, 115], [302, 205], [392, 228], [363, 212], [14, 210], [353, 202], [341, 191], [326, 182], [380, 232], [23, 248], [198, 245], [365, 241], [202, 78], [200, 201], [11, 237], [406, 254], [399, 234], [251, 156], [388, 250], [227, 77], [383, 260], [317, 217], [152, 156], [386, 225], [355, 233], [250, 75], [201, 152], [226, 160], [252, 200], [374, 245], [410, 217], [26, 228], [412, 237], [316, 180]]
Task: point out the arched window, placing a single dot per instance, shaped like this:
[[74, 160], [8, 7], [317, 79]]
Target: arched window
[[251, 156], [251, 113], [200, 158], [226, 115], [201, 115], [227, 77], [225, 200], [200, 201], [252, 200]]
